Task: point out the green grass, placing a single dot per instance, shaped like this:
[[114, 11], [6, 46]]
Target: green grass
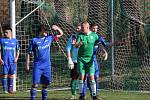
[[64, 95]]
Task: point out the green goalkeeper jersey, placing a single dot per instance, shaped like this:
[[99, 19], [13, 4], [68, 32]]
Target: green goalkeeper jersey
[[86, 50]]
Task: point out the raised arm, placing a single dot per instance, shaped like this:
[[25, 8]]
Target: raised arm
[[56, 28]]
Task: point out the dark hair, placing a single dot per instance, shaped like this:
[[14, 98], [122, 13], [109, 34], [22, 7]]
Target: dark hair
[[42, 27], [93, 24], [7, 28]]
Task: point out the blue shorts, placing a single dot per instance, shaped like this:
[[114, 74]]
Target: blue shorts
[[96, 74], [42, 76], [9, 69]]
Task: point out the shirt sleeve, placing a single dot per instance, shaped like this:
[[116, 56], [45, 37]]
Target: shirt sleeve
[[78, 39], [53, 37], [69, 44], [103, 41], [97, 39], [30, 47], [17, 45]]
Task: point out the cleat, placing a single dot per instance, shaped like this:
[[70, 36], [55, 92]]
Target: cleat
[[82, 98], [73, 97], [5, 92], [97, 98], [94, 98], [11, 92]]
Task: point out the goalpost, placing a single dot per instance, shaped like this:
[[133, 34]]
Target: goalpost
[[13, 26]]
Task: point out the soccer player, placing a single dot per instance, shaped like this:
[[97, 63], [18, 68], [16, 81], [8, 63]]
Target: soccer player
[[102, 43], [85, 42], [40, 46], [72, 52], [9, 54]]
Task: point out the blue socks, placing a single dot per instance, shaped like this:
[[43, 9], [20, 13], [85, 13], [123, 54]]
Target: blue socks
[[10, 84], [44, 94], [33, 93], [85, 88], [4, 84], [97, 85]]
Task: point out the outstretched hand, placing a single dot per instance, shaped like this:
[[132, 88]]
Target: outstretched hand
[[55, 27]]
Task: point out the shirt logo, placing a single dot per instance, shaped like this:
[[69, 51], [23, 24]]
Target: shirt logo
[[44, 47], [46, 40], [91, 37], [38, 42]]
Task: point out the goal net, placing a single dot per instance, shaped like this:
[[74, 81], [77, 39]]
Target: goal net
[[131, 44]]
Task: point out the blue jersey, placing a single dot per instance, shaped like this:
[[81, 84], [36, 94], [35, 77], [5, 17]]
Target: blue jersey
[[8, 49], [71, 48], [41, 50], [96, 47]]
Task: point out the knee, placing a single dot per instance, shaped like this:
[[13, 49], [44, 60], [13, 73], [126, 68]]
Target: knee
[[11, 76], [34, 86], [92, 77], [97, 78], [44, 86], [4, 76]]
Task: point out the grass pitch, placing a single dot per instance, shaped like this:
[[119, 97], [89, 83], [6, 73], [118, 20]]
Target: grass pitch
[[64, 95]]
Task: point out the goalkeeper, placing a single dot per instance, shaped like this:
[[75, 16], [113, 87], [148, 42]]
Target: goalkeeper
[[40, 46], [85, 42], [72, 61], [102, 43]]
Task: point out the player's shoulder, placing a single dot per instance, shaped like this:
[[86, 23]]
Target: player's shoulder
[[80, 34], [14, 39], [94, 34], [34, 38], [50, 35], [1, 39]]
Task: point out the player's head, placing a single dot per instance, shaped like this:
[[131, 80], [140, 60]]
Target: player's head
[[43, 30], [7, 32], [85, 27], [94, 27]]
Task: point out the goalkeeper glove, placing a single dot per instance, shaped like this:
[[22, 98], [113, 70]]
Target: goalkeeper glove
[[70, 63]]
